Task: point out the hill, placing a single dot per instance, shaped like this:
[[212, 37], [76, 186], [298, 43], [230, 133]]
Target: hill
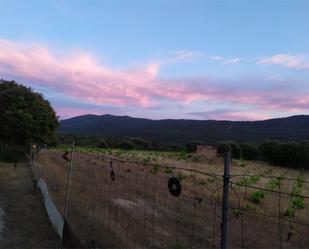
[[172, 131]]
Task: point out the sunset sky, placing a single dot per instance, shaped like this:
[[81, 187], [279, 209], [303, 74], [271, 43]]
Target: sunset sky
[[192, 59]]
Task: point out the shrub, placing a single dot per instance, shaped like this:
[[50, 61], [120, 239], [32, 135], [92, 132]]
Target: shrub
[[249, 151], [102, 144], [256, 196], [236, 150], [223, 147], [140, 143], [126, 144], [291, 154], [192, 146], [229, 146], [12, 154]]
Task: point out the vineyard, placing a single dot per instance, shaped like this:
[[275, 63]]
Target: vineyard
[[121, 198]]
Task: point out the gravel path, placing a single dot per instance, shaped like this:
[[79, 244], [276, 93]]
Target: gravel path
[[23, 219]]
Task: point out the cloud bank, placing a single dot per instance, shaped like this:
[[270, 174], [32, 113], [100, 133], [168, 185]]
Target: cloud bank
[[82, 76]]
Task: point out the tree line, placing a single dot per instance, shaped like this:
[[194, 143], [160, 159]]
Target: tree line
[[127, 143], [287, 154]]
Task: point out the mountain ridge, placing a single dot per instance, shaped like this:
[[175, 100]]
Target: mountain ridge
[[175, 131]]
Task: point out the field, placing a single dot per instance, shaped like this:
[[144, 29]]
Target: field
[[269, 207]]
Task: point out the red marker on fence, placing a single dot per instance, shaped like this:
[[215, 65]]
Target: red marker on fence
[[67, 156]]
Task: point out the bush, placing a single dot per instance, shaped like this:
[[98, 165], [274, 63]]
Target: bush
[[140, 143], [13, 155], [127, 144], [102, 144], [236, 150], [290, 154], [249, 151], [229, 146], [223, 147], [256, 196], [192, 146]]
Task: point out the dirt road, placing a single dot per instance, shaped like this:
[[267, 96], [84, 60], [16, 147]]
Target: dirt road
[[24, 221]]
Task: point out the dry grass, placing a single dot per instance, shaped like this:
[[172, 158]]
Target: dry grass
[[137, 209]]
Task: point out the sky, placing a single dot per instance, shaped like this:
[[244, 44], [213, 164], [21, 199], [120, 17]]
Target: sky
[[159, 59]]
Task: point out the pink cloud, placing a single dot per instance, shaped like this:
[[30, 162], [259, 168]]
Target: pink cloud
[[287, 60], [79, 74], [82, 76]]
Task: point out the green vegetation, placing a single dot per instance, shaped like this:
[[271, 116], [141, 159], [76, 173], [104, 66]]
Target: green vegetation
[[155, 169], [287, 154], [196, 159], [290, 154], [168, 171], [229, 146], [296, 201], [192, 146], [273, 183], [181, 176], [249, 151], [249, 180], [179, 245], [256, 196], [25, 118], [128, 143], [236, 212]]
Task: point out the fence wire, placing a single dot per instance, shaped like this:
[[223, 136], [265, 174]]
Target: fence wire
[[117, 203]]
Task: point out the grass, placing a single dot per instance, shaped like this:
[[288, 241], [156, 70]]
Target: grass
[[256, 196], [168, 171], [274, 183], [155, 169], [249, 180]]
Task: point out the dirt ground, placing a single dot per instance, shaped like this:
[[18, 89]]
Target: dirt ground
[[136, 209], [25, 222]]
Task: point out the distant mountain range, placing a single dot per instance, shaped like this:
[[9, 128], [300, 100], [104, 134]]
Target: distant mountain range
[[172, 131]]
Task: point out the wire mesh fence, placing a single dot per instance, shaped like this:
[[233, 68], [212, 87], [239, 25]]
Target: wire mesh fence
[[123, 203]]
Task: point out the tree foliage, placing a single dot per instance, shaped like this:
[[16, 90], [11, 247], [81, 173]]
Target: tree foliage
[[287, 154], [249, 151], [25, 117], [290, 154], [229, 146], [192, 146]]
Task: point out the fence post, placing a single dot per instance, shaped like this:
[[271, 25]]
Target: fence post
[[32, 153], [68, 183], [225, 200]]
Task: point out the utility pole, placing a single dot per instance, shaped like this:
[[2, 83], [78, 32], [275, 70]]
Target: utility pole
[[225, 200]]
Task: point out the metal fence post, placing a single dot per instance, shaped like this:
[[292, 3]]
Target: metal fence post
[[68, 183], [225, 200]]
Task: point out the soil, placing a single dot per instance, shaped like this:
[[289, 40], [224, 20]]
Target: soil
[[24, 221]]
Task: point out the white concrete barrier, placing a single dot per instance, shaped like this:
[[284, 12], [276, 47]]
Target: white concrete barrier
[[52, 211]]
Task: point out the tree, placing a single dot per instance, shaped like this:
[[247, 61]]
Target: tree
[[140, 143], [102, 143], [127, 144], [25, 117], [192, 146], [229, 146], [223, 147], [249, 151]]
